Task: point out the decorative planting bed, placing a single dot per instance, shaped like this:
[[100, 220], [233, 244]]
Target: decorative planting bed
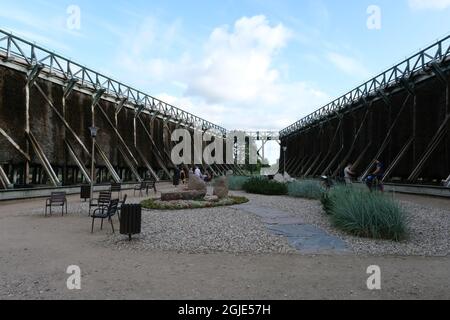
[[211, 202]]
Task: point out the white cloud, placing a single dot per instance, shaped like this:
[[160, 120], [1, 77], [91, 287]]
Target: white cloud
[[429, 4], [349, 65], [232, 80]]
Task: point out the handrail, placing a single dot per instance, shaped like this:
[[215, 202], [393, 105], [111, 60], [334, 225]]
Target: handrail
[[56, 65], [435, 53]]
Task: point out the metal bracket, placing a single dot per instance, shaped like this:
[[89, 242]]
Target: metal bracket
[[438, 71], [33, 74], [97, 96], [69, 87]]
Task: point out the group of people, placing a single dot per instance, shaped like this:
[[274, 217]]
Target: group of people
[[373, 180], [182, 173]]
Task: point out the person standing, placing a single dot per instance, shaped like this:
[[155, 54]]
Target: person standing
[[176, 177], [349, 174], [198, 172], [183, 176]]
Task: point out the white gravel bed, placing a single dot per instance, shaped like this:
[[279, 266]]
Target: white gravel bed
[[429, 229], [226, 229], [220, 229]]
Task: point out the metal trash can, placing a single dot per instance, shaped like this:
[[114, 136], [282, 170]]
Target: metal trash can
[[130, 219], [85, 192]]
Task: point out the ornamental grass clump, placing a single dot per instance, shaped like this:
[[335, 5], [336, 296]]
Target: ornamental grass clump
[[236, 183], [264, 186], [366, 214], [308, 189]]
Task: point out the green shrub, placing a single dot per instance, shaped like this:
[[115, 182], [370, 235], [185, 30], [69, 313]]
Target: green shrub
[[236, 183], [365, 214], [308, 189], [259, 185]]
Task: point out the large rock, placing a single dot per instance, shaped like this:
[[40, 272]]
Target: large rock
[[197, 184], [221, 188], [282, 178]]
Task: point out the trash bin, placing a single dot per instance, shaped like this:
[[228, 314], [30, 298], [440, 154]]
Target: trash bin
[[130, 219], [85, 192]]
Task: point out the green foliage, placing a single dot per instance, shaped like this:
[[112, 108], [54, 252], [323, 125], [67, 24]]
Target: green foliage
[[153, 204], [259, 185], [365, 214], [236, 183], [308, 189]]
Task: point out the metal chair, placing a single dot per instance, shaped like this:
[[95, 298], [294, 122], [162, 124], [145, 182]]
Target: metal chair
[[57, 199], [151, 184], [140, 187], [105, 213], [103, 200]]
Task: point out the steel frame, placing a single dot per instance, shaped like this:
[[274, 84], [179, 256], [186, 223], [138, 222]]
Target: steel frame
[[17, 50], [426, 59]]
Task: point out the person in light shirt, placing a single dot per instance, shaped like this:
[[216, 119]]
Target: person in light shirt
[[349, 174], [198, 172]]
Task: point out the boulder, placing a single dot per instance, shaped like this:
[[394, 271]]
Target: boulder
[[282, 178], [197, 184], [221, 188]]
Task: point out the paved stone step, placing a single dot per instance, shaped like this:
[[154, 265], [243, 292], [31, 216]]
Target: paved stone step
[[305, 238]]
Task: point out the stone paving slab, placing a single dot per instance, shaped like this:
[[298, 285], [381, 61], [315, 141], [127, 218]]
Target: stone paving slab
[[309, 239], [283, 221], [303, 237]]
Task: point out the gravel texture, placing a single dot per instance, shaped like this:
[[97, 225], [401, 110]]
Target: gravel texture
[[226, 229], [429, 229], [203, 231]]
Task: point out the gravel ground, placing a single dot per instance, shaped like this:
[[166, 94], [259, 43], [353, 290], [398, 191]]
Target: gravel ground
[[429, 230], [228, 230], [204, 231]]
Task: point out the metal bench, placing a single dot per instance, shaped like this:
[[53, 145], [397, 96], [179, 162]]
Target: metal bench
[[57, 199]]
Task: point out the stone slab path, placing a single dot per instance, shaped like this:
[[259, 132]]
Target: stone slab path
[[307, 239]]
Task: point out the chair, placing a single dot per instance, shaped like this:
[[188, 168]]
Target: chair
[[103, 200], [151, 185], [116, 187], [57, 199], [140, 187], [121, 205], [105, 213]]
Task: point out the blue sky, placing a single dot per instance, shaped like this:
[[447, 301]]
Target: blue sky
[[247, 64]]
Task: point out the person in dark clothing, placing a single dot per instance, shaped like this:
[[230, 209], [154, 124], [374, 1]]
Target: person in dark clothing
[[375, 179], [176, 177], [183, 176]]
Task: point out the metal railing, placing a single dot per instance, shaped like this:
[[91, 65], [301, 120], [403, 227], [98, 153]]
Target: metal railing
[[426, 58], [15, 49]]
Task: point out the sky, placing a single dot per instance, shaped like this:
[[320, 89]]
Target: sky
[[245, 64]]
